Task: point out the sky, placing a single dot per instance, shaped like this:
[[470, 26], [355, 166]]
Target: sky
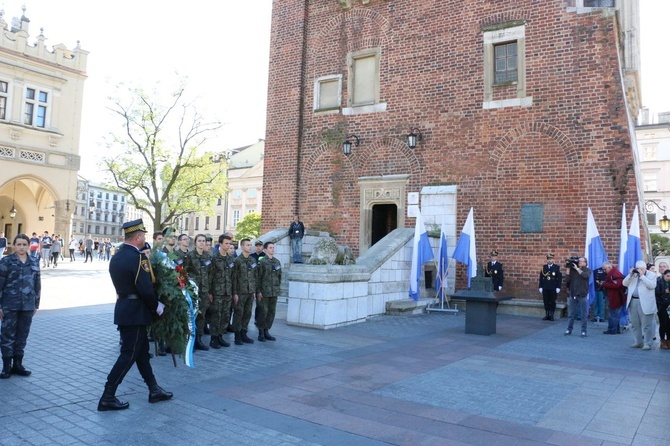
[[222, 47]]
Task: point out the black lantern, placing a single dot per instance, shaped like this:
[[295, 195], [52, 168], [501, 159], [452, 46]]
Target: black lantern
[[346, 145], [664, 223], [12, 211], [413, 138]]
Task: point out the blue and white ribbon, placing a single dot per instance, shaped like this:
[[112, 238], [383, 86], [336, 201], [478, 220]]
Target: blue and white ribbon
[[188, 354]]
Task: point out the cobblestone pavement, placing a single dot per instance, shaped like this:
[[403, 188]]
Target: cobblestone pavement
[[405, 380]]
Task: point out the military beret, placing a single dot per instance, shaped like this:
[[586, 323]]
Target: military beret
[[258, 242], [133, 226]]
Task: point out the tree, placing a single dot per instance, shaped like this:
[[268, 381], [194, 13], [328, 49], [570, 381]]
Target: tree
[[660, 245], [158, 159], [249, 226]]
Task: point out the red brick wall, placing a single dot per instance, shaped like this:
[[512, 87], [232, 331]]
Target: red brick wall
[[570, 150]]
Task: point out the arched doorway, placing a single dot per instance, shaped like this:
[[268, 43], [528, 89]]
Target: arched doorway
[[382, 207], [384, 220]]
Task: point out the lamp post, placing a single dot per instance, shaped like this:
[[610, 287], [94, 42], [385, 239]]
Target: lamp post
[[663, 223], [413, 138], [346, 145], [12, 211]]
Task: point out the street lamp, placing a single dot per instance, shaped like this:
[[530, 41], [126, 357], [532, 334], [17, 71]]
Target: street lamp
[[663, 223], [12, 211]]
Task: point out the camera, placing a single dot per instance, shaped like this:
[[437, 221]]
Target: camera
[[572, 261], [635, 272]]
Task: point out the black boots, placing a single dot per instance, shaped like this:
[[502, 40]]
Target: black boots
[[198, 343], [109, 401], [546, 315], [214, 343], [268, 336], [157, 393], [246, 339], [223, 342], [261, 335], [18, 369], [6, 368], [238, 338], [551, 315]]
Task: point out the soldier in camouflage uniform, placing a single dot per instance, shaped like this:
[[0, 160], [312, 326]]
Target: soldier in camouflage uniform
[[179, 252], [245, 288], [197, 264], [270, 281], [221, 288], [20, 290]]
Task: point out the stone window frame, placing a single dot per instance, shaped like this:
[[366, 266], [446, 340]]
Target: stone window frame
[[649, 152], [369, 107], [6, 108], [317, 92], [236, 217], [501, 33], [35, 104], [578, 6], [650, 179]]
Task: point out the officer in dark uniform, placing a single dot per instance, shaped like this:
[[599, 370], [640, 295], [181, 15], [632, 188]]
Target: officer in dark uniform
[[136, 304], [494, 269], [550, 285]]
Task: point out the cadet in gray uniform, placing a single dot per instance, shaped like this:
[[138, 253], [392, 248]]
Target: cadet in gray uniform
[[245, 288], [20, 288], [270, 281]]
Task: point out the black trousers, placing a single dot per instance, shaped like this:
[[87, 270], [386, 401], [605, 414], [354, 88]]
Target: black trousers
[[549, 298], [134, 350]]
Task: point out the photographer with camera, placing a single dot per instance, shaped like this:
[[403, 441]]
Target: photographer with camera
[[578, 292], [641, 303], [550, 286]]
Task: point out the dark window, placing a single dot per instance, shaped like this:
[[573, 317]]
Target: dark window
[[197, 223], [506, 62], [218, 222], [599, 3]]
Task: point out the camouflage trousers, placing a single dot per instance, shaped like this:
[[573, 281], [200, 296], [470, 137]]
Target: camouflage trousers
[[242, 314], [219, 311], [15, 330], [203, 306], [265, 312]]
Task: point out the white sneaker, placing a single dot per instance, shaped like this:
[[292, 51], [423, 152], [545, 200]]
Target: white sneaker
[[646, 347]]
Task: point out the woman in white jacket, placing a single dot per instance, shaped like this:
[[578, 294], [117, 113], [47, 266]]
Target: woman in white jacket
[[641, 303]]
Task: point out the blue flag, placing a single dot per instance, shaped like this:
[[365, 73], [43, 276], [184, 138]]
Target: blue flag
[[466, 250], [442, 263], [594, 251], [421, 253], [633, 254]]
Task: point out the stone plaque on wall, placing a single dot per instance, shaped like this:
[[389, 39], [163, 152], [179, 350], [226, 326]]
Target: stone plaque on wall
[[531, 217]]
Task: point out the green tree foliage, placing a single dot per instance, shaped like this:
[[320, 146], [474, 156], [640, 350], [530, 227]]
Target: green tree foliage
[[158, 158], [660, 245], [249, 226]]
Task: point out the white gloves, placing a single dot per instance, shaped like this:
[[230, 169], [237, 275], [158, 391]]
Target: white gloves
[[558, 290], [160, 308], [499, 288], [540, 290]]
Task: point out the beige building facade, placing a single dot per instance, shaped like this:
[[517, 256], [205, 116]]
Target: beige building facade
[[41, 93], [653, 144], [244, 196]]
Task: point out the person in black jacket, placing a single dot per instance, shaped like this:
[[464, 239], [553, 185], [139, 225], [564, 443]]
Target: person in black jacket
[[136, 304], [578, 294], [296, 232]]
